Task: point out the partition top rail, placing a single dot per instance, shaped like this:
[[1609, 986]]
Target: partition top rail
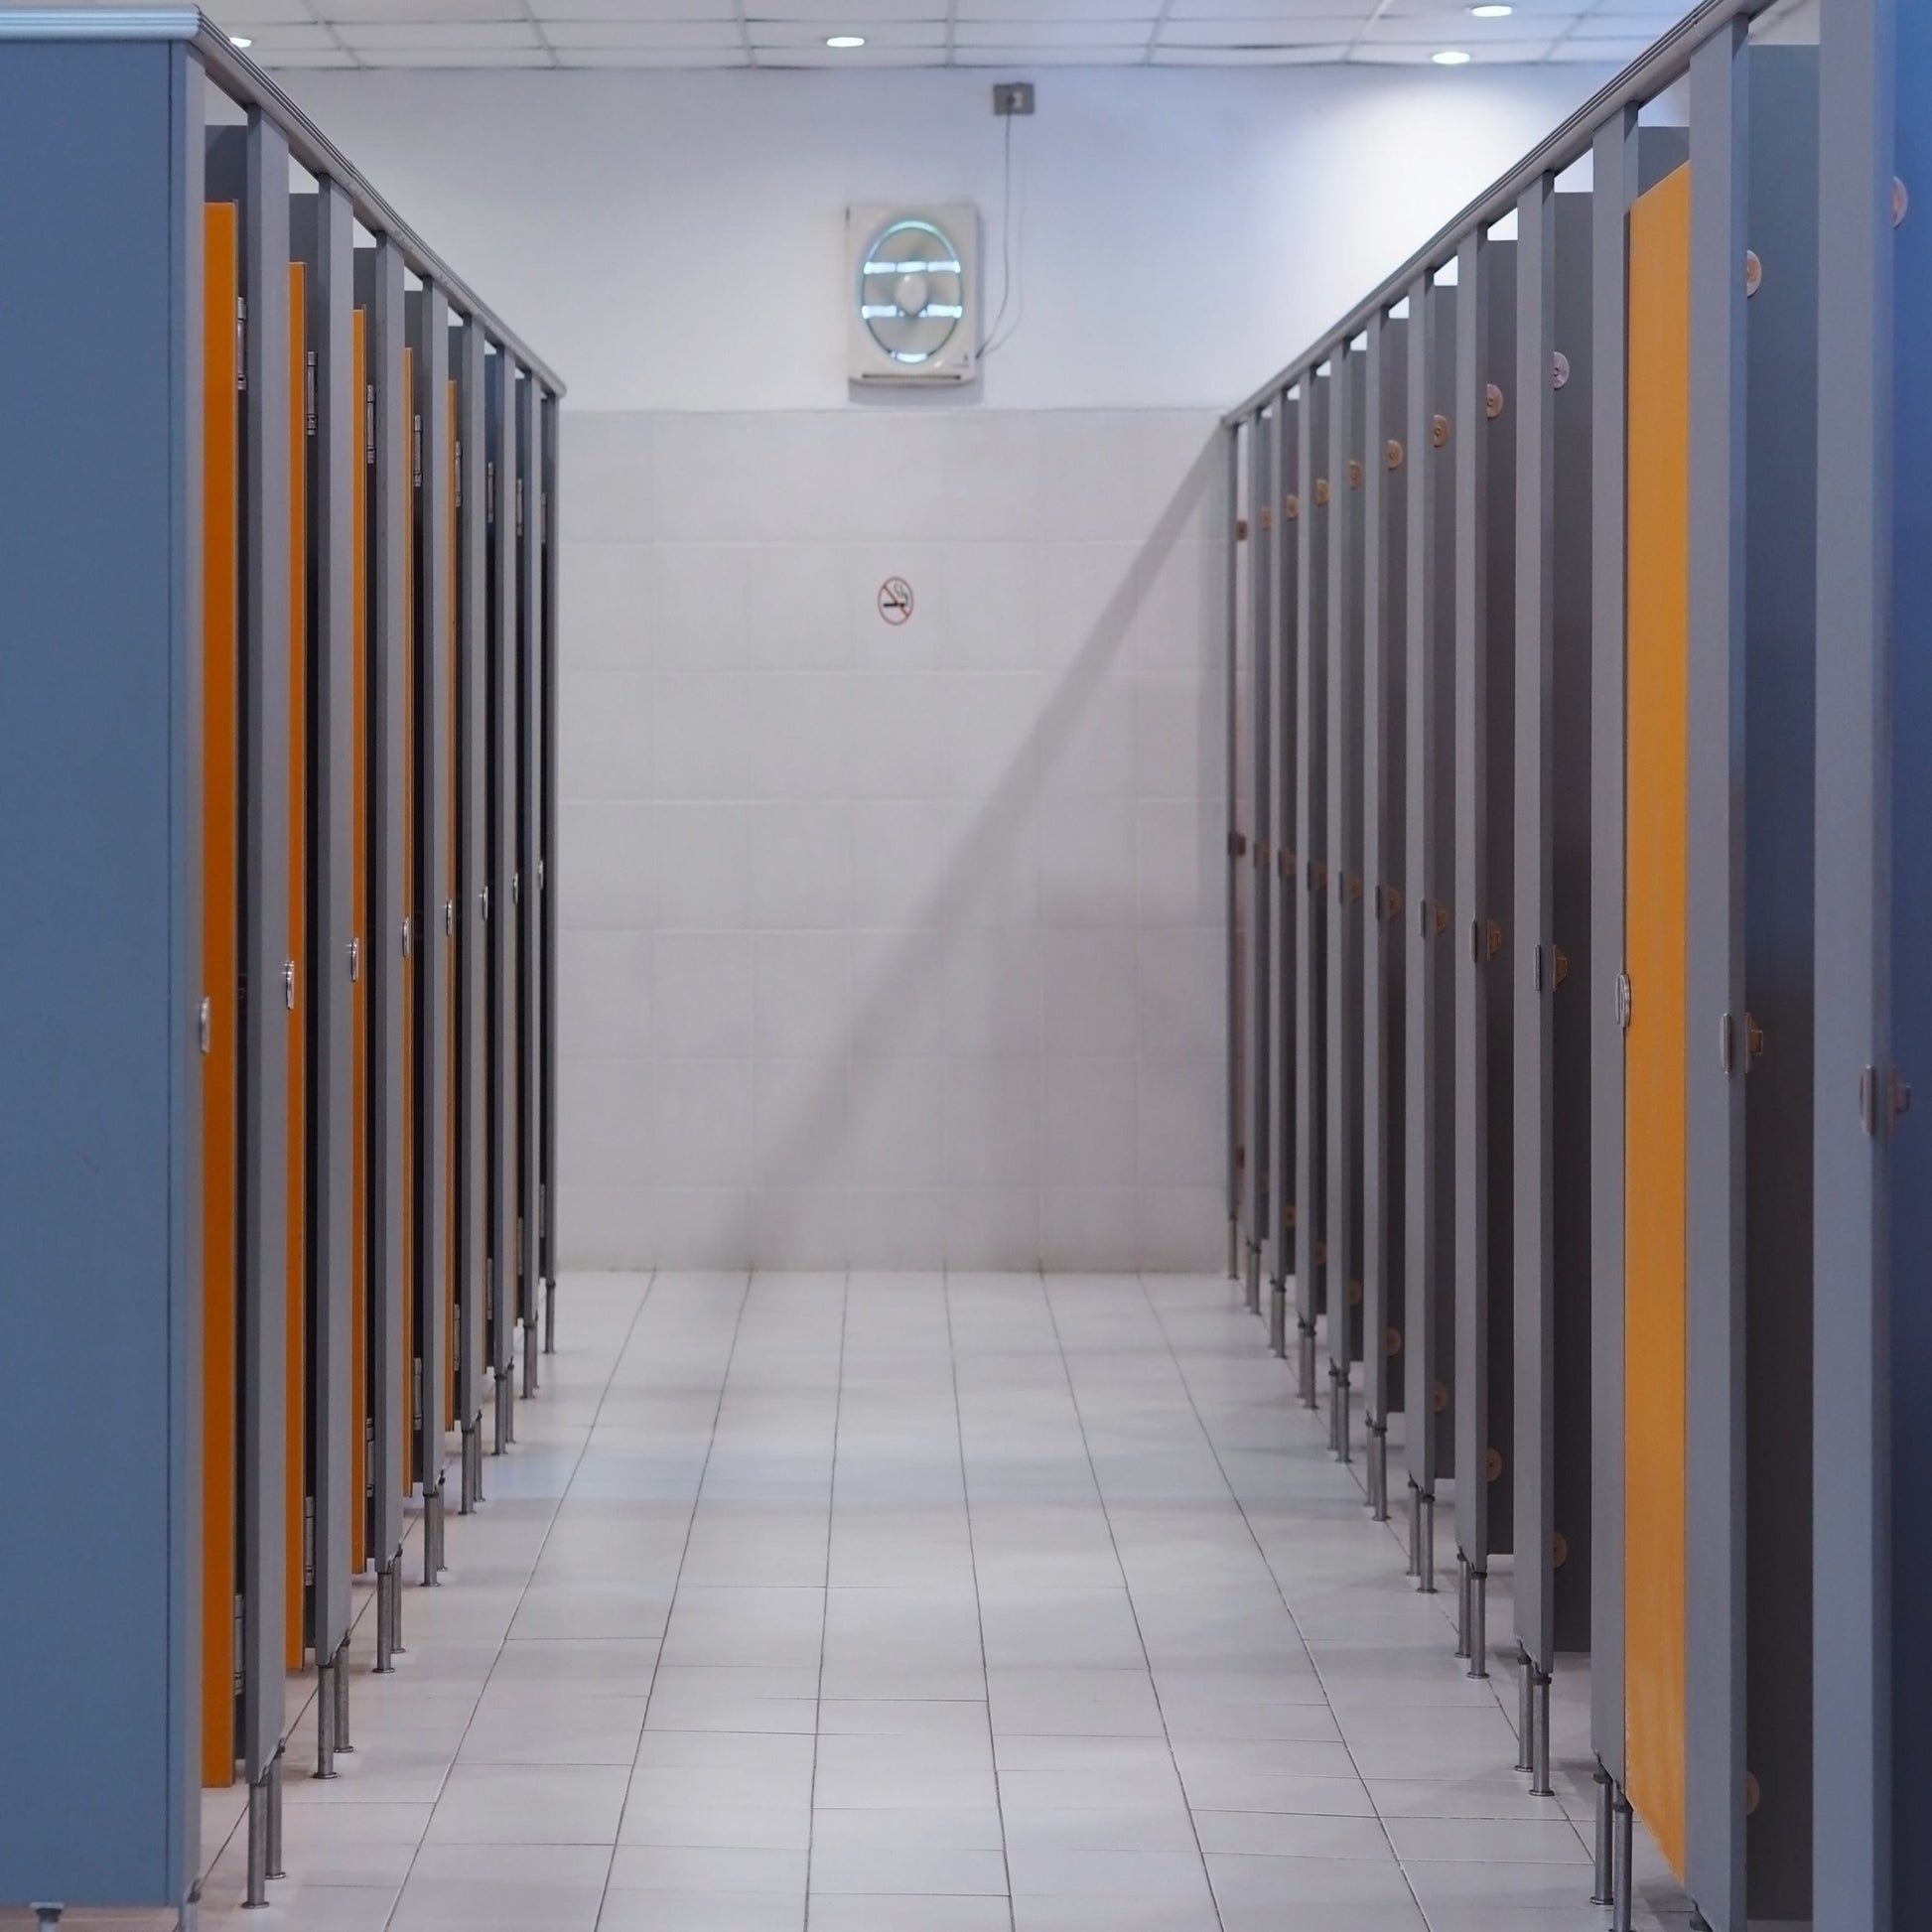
[[1642, 81], [247, 84]]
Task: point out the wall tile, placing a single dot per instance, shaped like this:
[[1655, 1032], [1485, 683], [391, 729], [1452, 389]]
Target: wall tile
[[801, 865], [798, 745], [897, 1123], [992, 1122], [1183, 1118], [702, 747], [1183, 993], [606, 605], [703, 985], [705, 1123], [610, 459], [1090, 992], [896, 736], [610, 1009], [1086, 862], [993, 607], [803, 1001], [606, 1123], [1089, 1227], [796, 617], [607, 865], [701, 616], [899, 992], [604, 734], [703, 853], [1090, 1114]]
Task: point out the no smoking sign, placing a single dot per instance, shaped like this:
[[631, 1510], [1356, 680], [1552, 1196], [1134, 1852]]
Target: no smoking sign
[[896, 600]]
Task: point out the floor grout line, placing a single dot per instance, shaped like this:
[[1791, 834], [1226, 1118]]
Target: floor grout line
[[825, 1593]]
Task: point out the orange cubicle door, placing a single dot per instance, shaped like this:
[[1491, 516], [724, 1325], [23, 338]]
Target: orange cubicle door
[[221, 971], [1654, 1065], [296, 1407], [359, 1448]]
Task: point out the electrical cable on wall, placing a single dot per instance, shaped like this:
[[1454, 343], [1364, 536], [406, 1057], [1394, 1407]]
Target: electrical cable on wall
[[994, 339]]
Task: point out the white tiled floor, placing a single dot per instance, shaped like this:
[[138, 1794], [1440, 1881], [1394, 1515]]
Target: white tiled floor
[[914, 1603]]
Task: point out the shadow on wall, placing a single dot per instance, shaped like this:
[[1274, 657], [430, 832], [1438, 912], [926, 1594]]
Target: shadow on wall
[[799, 1154]]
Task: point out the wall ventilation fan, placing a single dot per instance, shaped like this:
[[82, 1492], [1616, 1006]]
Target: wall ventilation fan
[[912, 289]]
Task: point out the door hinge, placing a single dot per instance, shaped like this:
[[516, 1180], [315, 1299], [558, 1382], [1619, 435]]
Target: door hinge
[[1562, 965], [1391, 902], [1897, 1097], [458, 493], [1535, 971], [1901, 1097], [1726, 1042], [309, 392], [240, 1629], [241, 342], [519, 507], [308, 1539], [288, 984], [369, 423], [1237, 845], [416, 452], [1753, 1041], [354, 960], [1623, 1002], [489, 491], [1318, 876]]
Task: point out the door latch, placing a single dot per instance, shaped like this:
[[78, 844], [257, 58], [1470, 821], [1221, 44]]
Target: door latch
[[354, 960], [288, 984]]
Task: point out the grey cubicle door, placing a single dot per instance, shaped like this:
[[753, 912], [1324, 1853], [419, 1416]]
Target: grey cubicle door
[[523, 895], [547, 902], [1341, 726], [1257, 1010], [1285, 898], [1383, 767], [499, 912], [1309, 843]]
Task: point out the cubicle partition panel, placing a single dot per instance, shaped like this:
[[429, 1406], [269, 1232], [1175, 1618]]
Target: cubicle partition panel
[[1257, 1006], [1428, 871], [1233, 1018], [1285, 891], [1483, 1397], [1383, 744], [1341, 726], [527, 701], [207, 546], [1551, 983], [1311, 845], [550, 423]]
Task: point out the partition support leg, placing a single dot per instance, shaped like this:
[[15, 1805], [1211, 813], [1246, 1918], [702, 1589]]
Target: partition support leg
[[1345, 1448], [48, 1915], [1525, 1709], [1622, 1861], [1415, 1527], [1378, 1472], [1254, 1278], [1234, 1249], [1307, 1341], [1601, 1894], [550, 1317], [532, 1349], [342, 1701], [326, 1717], [396, 1645], [276, 1868], [185, 1918], [432, 1537], [386, 1659], [1277, 1319], [1461, 1604], [467, 1493], [257, 1871], [1426, 1575], [1540, 1786], [1479, 1622]]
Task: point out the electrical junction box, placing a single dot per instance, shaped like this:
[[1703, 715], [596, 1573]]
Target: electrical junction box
[[913, 292]]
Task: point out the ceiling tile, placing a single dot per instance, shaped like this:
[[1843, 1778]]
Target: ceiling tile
[[1251, 31], [1167, 55], [268, 45], [617, 34], [653, 56], [1476, 34], [332, 56], [399, 13], [880, 35], [1051, 33], [1021, 59], [428, 36], [250, 13], [462, 56]]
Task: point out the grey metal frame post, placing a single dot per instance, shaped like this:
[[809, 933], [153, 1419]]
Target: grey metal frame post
[[251, 164], [434, 913], [1230, 754], [1342, 1007], [1865, 58], [101, 753], [472, 859], [1714, 1365], [523, 881], [380, 273], [500, 492], [323, 224], [1285, 896], [1263, 433], [1310, 630], [1384, 726], [1534, 978], [548, 697], [1429, 1264]]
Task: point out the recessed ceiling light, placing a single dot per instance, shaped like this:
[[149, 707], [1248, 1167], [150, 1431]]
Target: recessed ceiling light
[[845, 40], [1493, 10], [240, 40], [1450, 56]]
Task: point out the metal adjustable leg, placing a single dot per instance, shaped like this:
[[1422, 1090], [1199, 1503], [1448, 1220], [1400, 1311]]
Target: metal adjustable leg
[[1334, 1413], [1277, 1319], [48, 1915], [1540, 1786], [1479, 1622], [467, 1492], [1234, 1250], [1425, 1574], [433, 1537], [326, 1717], [1623, 1863], [1345, 1448], [1601, 1894], [1307, 1342], [342, 1701], [1461, 1604], [1415, 1527], [385, 1625], [550, 1317], [276, 1870], [257, 1879], [1525, 1709], [1254, 1278], [532, 1349]]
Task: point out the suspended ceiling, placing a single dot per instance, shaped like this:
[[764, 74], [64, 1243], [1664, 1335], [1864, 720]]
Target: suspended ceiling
[[931, 33]]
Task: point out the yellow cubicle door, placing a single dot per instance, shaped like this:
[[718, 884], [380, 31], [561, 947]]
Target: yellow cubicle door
[[1654, 1045], [296, 1417]]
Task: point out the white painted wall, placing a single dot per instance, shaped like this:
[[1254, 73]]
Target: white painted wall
[[888, 947], [674, 240]]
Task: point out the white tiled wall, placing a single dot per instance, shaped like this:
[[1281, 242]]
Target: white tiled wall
[[885, 946]]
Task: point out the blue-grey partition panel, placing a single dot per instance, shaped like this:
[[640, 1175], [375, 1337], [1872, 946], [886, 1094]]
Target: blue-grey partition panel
[[523, 893], [1257, 1014], [547, 697], [100, 515], [1287, 895]]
